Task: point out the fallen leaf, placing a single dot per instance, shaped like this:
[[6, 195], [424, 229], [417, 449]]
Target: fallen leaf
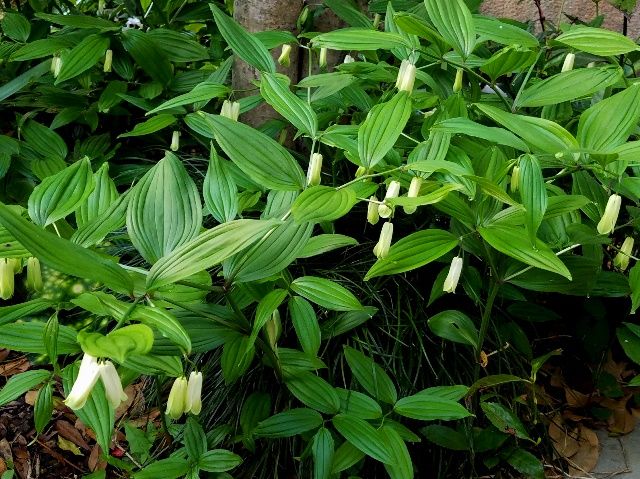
[[16, 366], [621, 421], [586, 458], [30, 397], [96, 462], [3, 466], [484, 359], [4, 354], [5, 451], [575, 398], [134, 399], [66, 445], [69, 433], [563, 438], [22, 462]]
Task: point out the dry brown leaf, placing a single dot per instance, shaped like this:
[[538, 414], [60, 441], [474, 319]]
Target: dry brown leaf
[[621, 421], [575, 398], [96, 463], [484, 359], [564, 439], [5, 451], [586, 458], [21, 462], [3, 466], [68, 432], [134, 400], [4, 354], [30, 397], [16, 366]]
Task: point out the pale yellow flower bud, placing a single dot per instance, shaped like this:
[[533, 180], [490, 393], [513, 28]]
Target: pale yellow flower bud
[[322, 60], [108, 59], [393, 191], [34, 274], [230, 109], [348, 59], [194, 393], [406, 76], [381, 249], [112, 384], [273, 329], [457, 84], [608, 221], [372, 210], [87, 377], [451, 281], [414, 191], [177, 398], [285, 56], [7, 277], [56, 65], [621, 260], [515, 178], [175, 141], [569, 60], [315, 168]]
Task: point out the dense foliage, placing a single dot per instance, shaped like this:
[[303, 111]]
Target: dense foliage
[[355, 286]]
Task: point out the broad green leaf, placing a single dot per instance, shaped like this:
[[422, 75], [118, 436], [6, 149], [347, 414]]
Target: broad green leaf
[[15, 26], [567, 86], [363, 436], [202, 92], [151, 125], [27, 337], [22, 80], [118, 344], [402, 467], [164, 210], [44, 140], [194, 439], [275, 38], [414, 251], [490, 28], [271, 254], [322, 449], [9, 314], [170, 468], [243, 44], [454, 22], [371, 376], [426, 408], [218, 460], [324, 243], [288, 423], [266, 307], [260, 157], [634, 284], [608, 123], [314, 392], [80, 21], [446, 437], [147, 53], [509, 60], [542, 135], [206, 250], [43, 407], [358, 404], [61, 194], [63, 255], [470, 128], [323, 203], [454, 326], [151, 364], [492, 381], [19, 384], [40, 48], [346, 456], [513, 242], [325, 293], [504, 419], [533, 193], [101, 198], [597, 41], [359, 39], [98, 228], [82, 57], [526, 463], [219, 189], [305, 324], [274, 88], [382, 128], [179, 46], [350, 13]]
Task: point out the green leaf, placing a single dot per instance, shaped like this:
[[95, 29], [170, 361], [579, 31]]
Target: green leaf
[[101, 198], [40, 48], [491, 381], [634, 284], [382, 128], [402, 467], [454, 22], [348, 12], [526, 463], [429, 408], [359, 405], [44, 140], [428, 199], [597, 41], [454, 326], [305, 324], [346, 456], [542, 135], [567, 86], [15, 26], [132, 339], [9, 314], [170, 468], [63, 255], [179, 46], [194, 439], [243, 44], [164, 210], [219, 189], [492, 29], [414, 251], [323, 203], [202, 92], [363, 436], [446, 437], [630, 342], [61, 194], [151, 125], [148, 54], [325, 293], [206, 250], [509, 60], [314, 392], [80, 21], [260, 157], [322, 449], [504, 419], [288, 423], [513, 242], [96, 230], [82, 57], [219, 460], [467, 127], [371, 376], [324, 243], [270, 255], [266, 307], [608, 123], [533, 193], [237, 355], [22, 80], [27, 337], [359, 39], [19, 384], [43, 407], [274, 88]]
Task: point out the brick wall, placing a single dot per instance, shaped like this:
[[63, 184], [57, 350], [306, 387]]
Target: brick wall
[[555, 9]]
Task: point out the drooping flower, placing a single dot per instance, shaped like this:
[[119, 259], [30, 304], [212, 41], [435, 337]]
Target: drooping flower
[[322, 60], [194, 393], [285, 56], [315, 168], [608, 221], [34, 274], [175, 141], [372, 211], [108, 60], [230, 109], [515, 178], [406, 76], [393, 191], [177, 398], [7, 277], [451, 281], [56, 66], [88, 375], [348, 59], [112, 384], [621, 260], [457, 84], [381, 249], [414, 191], [569, 60]]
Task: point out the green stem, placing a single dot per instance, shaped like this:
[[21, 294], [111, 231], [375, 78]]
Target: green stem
[[526, 79], [486, 316], [126, 315], [372, 175]]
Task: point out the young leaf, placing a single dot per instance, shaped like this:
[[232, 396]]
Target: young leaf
[[43, 407], [151, 125], [101, 198], [164, 210], [371, 376], [194, 439], [325, 293], [274, 88], [82, 57], [170, 468], [534, 194], [325, 243], [504, 419], [132, 339], [454, 22]]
